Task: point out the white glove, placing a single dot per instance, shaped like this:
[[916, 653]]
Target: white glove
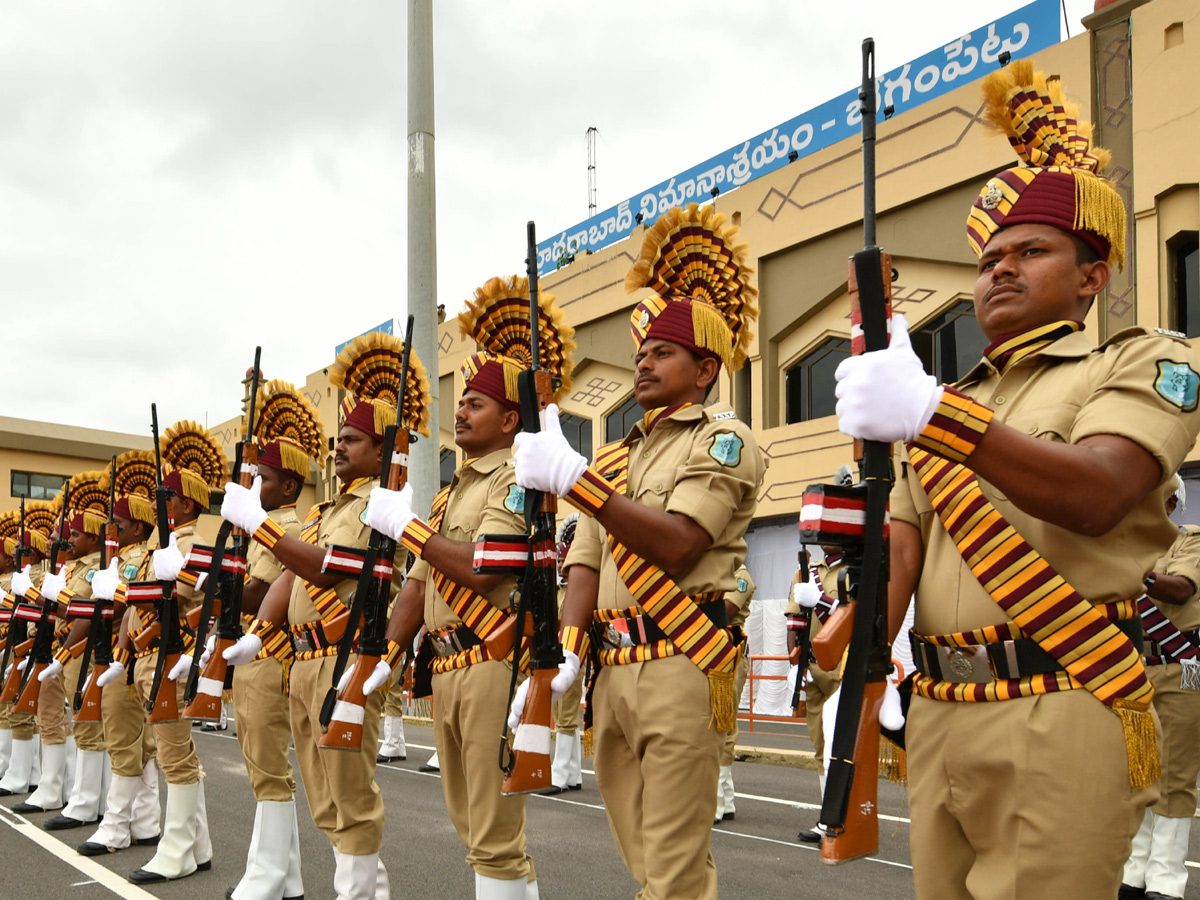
[[806, 594], [243, 507], [891, 716], [114, 671], [545, 461], [52, 583], [181, 668], [209, 646], [53, 670], [106, 581], [389, 512], [244, 650], [22, 664], [21, 582], [568, 671], [380, 675], [886, 395], [167, 561]]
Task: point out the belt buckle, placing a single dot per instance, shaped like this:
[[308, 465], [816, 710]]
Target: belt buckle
[[964, 665], [441, 646]]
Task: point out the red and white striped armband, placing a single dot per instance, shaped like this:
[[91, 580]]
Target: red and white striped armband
[[576, 640], [590, 492], [269, 533], [416, 535], [957, 426]]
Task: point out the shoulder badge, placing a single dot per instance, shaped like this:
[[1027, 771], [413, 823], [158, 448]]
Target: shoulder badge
[[726, 449], [514, 502], [362, 516], [1178, 384], [727, 414], [742, 585], [130, 571], [91, 574]]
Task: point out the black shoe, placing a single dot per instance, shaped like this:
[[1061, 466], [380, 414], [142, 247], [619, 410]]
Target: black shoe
[[142, 876], [1129, 892], [812, 836], [553, 791], [728, 817], [1155, 895], [379, 757], [425, 767], [61, 823], [28, 808], [575, 787]]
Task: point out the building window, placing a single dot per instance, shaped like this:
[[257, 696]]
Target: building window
[[578, 432], [36, 486], [621, 419], [810, 382], [447, 466], [1183, 256], [951, 344]]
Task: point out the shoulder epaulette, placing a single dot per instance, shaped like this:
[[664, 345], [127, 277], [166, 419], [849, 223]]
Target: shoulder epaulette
[[1136, 331]]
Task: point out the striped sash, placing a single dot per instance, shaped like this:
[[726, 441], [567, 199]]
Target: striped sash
[[1094, 652], [1176, 645], [694, 634], [825, 604]]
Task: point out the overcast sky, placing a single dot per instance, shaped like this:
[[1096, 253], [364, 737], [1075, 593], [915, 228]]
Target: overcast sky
[[180, 181]]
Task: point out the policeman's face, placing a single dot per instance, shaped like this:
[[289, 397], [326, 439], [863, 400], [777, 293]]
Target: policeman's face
[[182, 510], [83, 543], [130, 532], [274, 487], [356, 454], [482, 425], [667, 373], [1029, 275]]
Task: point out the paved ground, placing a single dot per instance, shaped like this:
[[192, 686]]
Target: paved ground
[[757, 855]]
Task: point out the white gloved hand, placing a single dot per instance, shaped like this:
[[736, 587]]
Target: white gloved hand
[[380, 675], [114, 671], [244, 650], [168, 561], [21, 582], [106, 581], [52, 670], [22, 664], [181, 668], [52, 583], [243, 506], [545, 461], [209, 646], [891, 715], [389, 512], [886, 395], [806, 594], [568, 671]]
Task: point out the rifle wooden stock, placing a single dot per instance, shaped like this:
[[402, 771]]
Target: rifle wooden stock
[[500, 641], [13, 681], [830, 644], [77, 648], [89, 707], [210, 689], [28, 701], [860, 835], [335, 628], [345, 729], [166, 701], [531, 740], [148, 635]]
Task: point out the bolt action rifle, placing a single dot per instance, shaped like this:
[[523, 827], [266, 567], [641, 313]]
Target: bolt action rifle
[[163, 705], [86, 702], [342, 715], [223, 589], [42, 651], [803, 636], [855, 518]]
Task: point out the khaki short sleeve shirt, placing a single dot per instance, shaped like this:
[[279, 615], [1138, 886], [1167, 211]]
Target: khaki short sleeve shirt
[[740, 596], [261, 562], [1183, 560]]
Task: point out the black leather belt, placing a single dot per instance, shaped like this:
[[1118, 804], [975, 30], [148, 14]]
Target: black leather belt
[[309, 638], [643, 630], [453, 640], [984, 663]]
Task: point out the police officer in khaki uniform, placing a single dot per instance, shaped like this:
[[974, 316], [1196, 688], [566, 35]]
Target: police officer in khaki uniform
[[131, 809], [289, 430], [314, 607], [737, 609], [461, 609], [566, 770], [1156, 869], [1029, 771], [19, 728], [672, 502]]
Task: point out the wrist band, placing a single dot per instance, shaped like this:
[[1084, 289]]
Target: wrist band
[[121, 657], [268, 533], [415, 536], [590, 492], [262, 629], [63, 655], [956, 428], [392, 656], [576, 640]]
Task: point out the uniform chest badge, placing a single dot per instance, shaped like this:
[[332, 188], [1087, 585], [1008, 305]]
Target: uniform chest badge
[[362, 517], [1178, 384], [514, 501], [991, 196], [90, 575], [742, 585], [726, 449], [130, 572]]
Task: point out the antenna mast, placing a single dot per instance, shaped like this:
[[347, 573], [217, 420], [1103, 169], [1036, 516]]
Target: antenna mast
[[591, 145]]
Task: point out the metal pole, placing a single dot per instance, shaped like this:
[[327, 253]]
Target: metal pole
[[422, 239]]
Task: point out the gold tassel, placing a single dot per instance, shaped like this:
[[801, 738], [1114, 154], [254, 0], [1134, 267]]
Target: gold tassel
[[712, 332], [1098, 208], [588, 742], [512, 376], [722, 701], [385, 415], [293, 457], [893, 762], [141, 508], [1141, 745]]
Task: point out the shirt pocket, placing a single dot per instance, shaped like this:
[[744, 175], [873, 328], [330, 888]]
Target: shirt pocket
[[655, 488], [1050, 422]]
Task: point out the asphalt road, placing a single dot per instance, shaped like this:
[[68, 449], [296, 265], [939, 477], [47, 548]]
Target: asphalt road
[[757, 855]]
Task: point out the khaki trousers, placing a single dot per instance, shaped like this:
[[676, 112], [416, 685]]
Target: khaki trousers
[[176, 752], [127, 737], [264, 728], [740, 674], [469, 709], [1179, 712], [53, 721], [393, 703], [88, 735], [656, 761], [566, 709], [816, 692], [342, 794], [1025, 799]]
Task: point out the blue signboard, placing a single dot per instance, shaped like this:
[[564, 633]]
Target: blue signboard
[[387, 327], [1026, 31]]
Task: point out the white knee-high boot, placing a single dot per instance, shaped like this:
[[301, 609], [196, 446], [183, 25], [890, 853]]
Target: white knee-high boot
[[1134, 874], [270, 848], [176, 854], [19, 774], [49, 794], [393, 747], [6, 740], [1166, 871], [360, 877], [83, 805], [293, 882], [487, 888]]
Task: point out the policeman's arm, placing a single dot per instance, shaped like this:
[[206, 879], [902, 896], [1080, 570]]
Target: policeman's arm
[[456, 560], [253, 592], [583, 590], [304, 559], [904, 572], [274, 605], [669, 540], [1087, 488], [1174, 589], [408, 613]]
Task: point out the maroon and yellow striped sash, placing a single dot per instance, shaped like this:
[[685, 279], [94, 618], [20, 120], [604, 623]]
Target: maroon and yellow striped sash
[[1094, 652]]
